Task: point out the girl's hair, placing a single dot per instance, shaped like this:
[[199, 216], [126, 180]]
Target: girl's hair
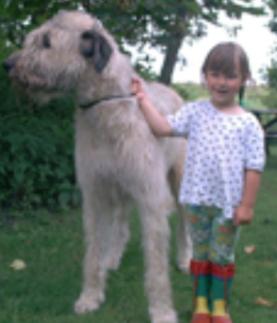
[[224, 57]]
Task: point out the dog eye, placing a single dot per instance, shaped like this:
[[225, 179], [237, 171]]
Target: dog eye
[[86, 35], [46, 41]]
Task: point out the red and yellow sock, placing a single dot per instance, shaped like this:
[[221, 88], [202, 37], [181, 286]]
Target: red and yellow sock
[[221, 282], [200, 270]]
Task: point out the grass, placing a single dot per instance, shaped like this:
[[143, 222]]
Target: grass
[[51, 245], [255, 97]]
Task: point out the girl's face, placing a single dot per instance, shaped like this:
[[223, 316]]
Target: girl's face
[[223, 88]]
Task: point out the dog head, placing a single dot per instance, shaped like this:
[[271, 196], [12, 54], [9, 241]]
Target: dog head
[[60, 56]]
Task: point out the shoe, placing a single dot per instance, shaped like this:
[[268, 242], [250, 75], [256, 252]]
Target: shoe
[[221, 319], [201, 318], [200, 271], [222, 277]]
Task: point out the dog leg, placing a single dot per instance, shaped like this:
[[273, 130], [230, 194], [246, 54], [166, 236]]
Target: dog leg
[[184, 242], [119, 237], [156, 236], [94, 274]]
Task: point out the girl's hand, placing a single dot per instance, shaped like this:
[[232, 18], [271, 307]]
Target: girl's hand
[[137, 89], [243, 215]]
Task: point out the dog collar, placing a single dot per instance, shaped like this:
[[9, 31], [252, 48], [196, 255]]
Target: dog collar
[[91, 104]]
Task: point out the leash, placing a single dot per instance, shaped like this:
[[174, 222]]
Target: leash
[[91, 104]]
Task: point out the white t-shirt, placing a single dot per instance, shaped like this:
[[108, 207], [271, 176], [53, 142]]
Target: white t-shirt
[[220, 148]]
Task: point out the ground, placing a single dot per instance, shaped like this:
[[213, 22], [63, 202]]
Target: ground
[[51, 244]]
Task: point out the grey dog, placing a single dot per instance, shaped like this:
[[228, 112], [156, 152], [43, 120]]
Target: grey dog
[[119, 161]]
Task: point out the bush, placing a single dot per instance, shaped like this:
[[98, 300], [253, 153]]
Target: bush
[[190, 91], [270, 76], [36, 144]]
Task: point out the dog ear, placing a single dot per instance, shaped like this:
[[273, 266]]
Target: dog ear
[[95, 47]]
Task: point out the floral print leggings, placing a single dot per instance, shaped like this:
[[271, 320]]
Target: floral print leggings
[[214, 237]]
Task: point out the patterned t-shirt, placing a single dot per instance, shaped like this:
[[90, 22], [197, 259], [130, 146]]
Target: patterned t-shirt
[[220, 148]]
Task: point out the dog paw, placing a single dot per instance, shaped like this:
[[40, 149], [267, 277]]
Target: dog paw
[[89, 301], [112, 263], [163, 316], [184, 266]]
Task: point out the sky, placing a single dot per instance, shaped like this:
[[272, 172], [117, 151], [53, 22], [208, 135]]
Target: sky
[[255, 37]]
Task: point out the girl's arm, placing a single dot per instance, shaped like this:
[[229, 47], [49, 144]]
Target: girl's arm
[[157, 122], [244, 212]]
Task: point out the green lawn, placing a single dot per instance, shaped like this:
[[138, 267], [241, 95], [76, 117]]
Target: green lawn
[[51, 245]]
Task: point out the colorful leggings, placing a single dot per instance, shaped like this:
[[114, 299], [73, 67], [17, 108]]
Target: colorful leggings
[[214, 237]]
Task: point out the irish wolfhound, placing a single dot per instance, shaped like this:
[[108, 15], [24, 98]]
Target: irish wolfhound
[[118, 159]]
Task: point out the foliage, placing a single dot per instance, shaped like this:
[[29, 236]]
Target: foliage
[[272, 4], [152, 23], [51, 246], [36, 144], [20, 16], [255, 97], [270, 75], [191, 91]]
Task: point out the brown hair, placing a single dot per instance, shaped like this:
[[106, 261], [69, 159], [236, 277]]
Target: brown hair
[[224, 57]]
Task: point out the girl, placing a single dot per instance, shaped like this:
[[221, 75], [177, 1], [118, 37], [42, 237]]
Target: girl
[[224, 161]]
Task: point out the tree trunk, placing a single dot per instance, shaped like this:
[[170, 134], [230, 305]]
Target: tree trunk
[[171, 56]]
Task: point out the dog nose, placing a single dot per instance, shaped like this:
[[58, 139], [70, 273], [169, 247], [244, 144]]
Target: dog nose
[[8, 65]]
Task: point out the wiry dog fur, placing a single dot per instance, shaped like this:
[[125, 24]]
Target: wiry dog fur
[[118, 160]]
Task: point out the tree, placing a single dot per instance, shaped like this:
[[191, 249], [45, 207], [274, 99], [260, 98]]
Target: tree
[[161, 24], [166, 24], [188, 20], [270, 72]]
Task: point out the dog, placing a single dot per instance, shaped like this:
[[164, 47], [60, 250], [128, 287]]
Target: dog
[[119, 162]]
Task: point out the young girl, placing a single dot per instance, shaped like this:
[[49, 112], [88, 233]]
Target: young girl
[[224, 161]]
